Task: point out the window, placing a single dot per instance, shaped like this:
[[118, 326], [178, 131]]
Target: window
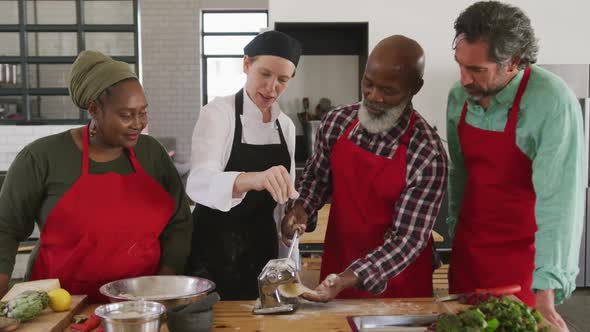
[[224, 35], [40, 39]]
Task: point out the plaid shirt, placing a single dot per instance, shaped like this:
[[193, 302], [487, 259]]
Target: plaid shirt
[[414, 212]]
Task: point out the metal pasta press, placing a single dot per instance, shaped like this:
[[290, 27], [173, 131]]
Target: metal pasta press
[[276, 273]]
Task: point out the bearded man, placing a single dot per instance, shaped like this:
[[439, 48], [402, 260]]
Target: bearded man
[[385, 170]]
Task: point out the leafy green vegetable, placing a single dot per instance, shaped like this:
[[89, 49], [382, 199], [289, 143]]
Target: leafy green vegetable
[[473, 318], [449, 323], [493, 315], [493, 325]]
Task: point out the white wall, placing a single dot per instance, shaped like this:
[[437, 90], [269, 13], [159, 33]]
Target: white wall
[[342, 73], [234, 4], [171, 68], [14, 138], [561, 27]]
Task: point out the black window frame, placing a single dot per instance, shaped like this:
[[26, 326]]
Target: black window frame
[[204, 57], [24, 60]]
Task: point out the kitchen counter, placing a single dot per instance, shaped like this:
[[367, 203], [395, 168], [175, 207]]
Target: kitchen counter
[[318, 235], [237, 315]]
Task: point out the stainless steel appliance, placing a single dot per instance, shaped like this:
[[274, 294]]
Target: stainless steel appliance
[[277, 272]]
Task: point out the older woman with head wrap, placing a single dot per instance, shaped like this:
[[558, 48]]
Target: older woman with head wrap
[[108, 200]]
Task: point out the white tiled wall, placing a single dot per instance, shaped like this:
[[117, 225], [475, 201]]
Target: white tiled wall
[[109, 12], [14, 138], [9, 12], [171, 69]]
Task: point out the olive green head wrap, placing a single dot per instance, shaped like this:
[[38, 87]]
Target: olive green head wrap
[[92, 73]]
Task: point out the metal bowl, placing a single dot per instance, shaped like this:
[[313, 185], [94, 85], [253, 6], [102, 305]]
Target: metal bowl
[[167, 290], [131, 316]]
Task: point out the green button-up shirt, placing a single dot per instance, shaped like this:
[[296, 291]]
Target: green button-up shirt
[[550, 132]]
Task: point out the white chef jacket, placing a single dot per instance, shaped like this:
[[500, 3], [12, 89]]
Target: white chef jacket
[[208, 184]]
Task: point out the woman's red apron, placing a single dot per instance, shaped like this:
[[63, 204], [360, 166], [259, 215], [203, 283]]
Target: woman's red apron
[[105, 227], [494, 242], [365, 189]]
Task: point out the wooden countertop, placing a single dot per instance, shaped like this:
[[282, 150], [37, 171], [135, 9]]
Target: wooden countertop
[[318, 235], [237, 315]]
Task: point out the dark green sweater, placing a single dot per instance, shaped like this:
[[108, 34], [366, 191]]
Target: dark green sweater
[[45, 169]]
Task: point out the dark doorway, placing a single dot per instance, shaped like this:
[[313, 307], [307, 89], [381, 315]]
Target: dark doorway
[[331, 38]]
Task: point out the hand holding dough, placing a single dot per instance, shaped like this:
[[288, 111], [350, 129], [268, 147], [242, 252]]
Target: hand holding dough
[[294, 290]]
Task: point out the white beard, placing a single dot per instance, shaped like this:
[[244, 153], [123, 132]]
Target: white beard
[[381, 123]]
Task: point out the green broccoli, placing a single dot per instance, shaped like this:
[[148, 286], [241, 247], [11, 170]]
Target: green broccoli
[[449, 323]]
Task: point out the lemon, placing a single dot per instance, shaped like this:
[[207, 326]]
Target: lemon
[[59, 299]]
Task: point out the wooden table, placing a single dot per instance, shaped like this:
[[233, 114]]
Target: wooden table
[[237, 315], [318, 235]]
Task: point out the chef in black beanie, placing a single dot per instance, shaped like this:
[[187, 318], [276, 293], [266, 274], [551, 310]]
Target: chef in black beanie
[[242, 171]]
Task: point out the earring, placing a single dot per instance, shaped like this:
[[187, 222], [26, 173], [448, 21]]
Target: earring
[[92, 130]]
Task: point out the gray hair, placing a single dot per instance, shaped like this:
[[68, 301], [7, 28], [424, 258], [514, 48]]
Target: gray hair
[[506, 28]]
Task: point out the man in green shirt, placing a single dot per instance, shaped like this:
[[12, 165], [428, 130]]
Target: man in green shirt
[[518, 172]]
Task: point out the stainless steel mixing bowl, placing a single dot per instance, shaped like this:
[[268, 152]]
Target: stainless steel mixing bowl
[[167, 290], [131, 316]]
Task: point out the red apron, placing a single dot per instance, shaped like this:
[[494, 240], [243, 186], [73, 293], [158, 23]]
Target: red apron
[[365, 190], [494, 242], [105, 227]]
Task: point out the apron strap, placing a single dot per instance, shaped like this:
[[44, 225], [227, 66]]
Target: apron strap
[[463, 114], [406, 137], [513, 116], [349, 129], [239, 106], [281, 136], [514, 110], [86, 156], [134, 161]]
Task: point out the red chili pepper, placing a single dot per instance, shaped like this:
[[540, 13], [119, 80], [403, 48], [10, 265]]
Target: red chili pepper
[[89, 325], [502, 290]]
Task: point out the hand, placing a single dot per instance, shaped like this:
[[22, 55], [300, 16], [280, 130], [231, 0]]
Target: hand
[[296, 219], [332, 286], [276, 180], [3, 284], [546, 307], [326, 291]]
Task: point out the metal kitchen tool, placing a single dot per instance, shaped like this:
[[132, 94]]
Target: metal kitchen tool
[[168, 290], [275, 273], [391, 323], [451, 297], [294, 242]]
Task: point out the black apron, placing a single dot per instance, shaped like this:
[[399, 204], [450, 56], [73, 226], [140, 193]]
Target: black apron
[[231, 248]]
